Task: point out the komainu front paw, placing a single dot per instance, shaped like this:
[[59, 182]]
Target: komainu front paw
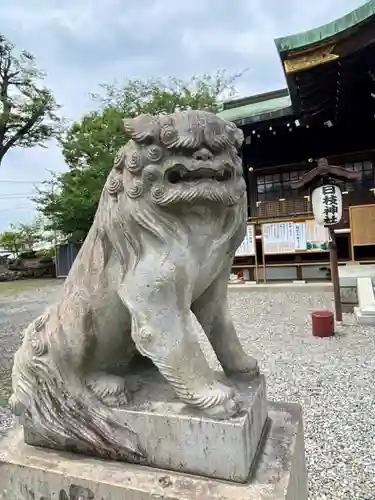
[[110, 389], [244, 367], [217, 400]]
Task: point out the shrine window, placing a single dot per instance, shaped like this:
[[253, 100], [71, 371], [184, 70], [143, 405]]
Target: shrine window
[[275, 186], [367, 177]]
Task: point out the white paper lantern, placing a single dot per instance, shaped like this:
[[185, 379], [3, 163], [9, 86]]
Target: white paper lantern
[[327, 204]]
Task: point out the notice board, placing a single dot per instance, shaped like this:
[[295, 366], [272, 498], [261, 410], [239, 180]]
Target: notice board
[[362, 225], [290, 237]]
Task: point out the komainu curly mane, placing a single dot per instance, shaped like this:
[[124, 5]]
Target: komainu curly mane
[[147, 279]]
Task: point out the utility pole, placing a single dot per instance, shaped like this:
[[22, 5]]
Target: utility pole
[[54, 231]]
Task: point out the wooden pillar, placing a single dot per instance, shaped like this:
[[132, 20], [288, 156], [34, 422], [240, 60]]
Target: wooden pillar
[[246, 172], [250, 178], [252, 193], [298, 259]]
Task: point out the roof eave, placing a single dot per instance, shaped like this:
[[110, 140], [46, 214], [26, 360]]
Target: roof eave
[[340, 27], [264, 117], [316, 47]]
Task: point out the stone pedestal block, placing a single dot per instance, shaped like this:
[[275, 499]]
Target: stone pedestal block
[[175, 437], [365, 312], [28, 472], [349, 295]]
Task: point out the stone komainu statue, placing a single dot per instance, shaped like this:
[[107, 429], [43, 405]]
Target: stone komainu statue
[[151, 274]]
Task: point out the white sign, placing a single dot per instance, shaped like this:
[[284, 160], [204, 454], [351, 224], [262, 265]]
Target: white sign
[[317, 236], [278, 237], [290, 237], [247, 247], [327, 204], [300, 242]]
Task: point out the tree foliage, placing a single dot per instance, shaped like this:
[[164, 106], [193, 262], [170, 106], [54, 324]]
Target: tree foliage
[[22, 237], [27, 109], [32, 233], [70, 204], [88, 146], [12, 241]]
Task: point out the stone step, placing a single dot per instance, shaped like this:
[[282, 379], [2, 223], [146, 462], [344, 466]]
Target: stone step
[[365, 312]]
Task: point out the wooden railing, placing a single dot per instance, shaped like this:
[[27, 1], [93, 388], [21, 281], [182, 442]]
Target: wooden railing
[[293, 207], [301, 206]]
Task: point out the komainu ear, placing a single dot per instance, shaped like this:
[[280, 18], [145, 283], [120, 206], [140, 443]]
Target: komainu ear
[[238, 138], [142, 129]]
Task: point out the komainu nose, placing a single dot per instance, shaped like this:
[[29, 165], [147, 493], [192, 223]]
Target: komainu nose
[[203, 155]]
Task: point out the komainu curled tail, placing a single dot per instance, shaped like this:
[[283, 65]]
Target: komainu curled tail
[[54, 403]]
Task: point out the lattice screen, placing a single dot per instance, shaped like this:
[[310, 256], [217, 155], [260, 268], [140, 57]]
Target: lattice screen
[[287, 208]]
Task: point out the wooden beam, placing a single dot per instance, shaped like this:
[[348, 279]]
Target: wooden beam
[[324, 169]]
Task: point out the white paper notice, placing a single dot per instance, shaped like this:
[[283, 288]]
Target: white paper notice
[[278, 237], [247, 247], [317, 236], [300, 242]]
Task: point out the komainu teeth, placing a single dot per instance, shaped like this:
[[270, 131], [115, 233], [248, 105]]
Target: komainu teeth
[[182, 174]]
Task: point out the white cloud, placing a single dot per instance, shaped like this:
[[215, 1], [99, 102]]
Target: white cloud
[[81, 44], [80, 19]]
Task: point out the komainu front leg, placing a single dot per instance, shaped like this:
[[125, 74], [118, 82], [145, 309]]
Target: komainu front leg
[[110, 389], [212, 312], [165, 330]]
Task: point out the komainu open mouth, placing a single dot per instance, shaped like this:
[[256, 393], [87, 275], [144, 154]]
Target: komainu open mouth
[[179, 174]]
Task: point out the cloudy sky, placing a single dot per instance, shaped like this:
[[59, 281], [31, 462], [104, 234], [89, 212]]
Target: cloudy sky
[[82, 43]]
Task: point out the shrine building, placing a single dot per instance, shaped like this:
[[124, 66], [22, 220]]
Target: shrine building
[[326, 111]]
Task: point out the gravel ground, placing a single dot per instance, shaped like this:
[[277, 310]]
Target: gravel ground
[[20, 302], [332, 379]]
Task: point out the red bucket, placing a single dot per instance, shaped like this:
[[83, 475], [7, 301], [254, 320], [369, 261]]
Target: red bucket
[[323, 324]]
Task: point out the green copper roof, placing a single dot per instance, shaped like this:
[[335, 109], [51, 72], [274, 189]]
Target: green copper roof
[[328, 30], [278, 104], [258, 111]]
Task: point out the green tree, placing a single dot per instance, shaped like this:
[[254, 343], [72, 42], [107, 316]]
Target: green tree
[[71, 202], [23, 237], [88, 146], [31, 233], [27, 109], [12, 241]]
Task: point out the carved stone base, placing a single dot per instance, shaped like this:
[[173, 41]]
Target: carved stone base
[[28, 472], [178, 438]]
